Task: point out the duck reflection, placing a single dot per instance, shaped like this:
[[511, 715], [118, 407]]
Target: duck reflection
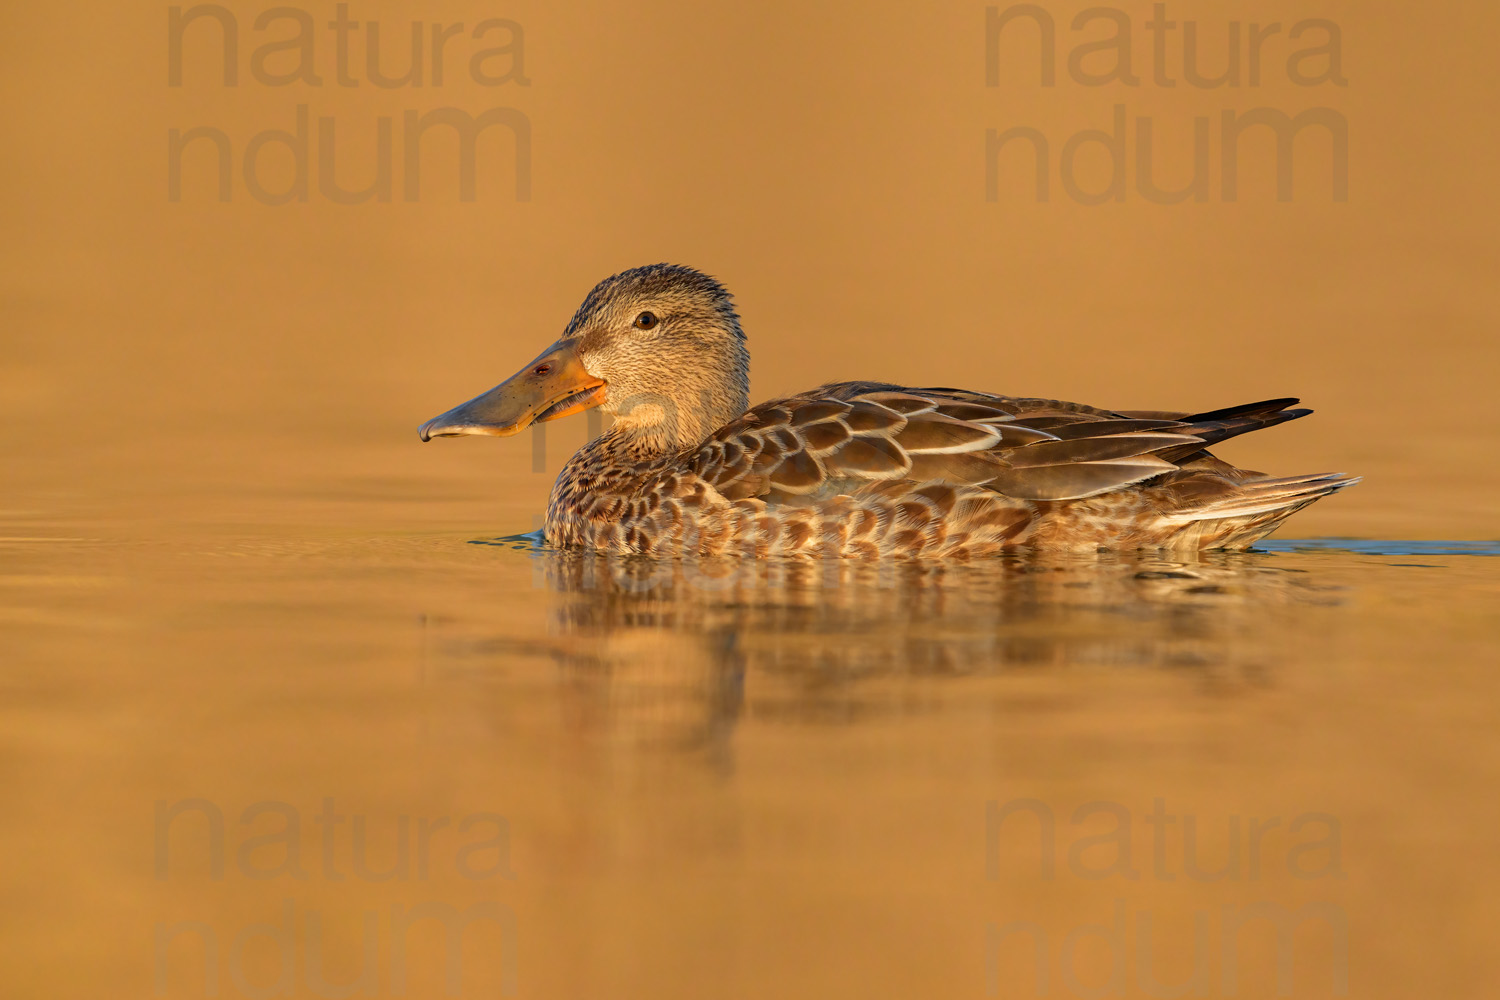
[[673, 652]]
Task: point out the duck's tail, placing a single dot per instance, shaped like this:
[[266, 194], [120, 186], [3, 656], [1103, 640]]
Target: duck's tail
[[1253, 510]]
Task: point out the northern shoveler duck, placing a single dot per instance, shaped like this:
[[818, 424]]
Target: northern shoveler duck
[[855, 468]]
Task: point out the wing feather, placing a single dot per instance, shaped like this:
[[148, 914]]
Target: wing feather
[[845, 438]]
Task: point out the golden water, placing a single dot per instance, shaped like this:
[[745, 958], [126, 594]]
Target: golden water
[[728, 779]]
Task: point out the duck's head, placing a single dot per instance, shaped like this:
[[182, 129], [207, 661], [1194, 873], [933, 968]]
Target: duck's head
[[658, 347]]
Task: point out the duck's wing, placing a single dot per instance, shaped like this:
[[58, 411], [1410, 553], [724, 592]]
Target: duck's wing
[[843, 437]]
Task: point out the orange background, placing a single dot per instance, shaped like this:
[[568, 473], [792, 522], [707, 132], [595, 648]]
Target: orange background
[[827, 162]]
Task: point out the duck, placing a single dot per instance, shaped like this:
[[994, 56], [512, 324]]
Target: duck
[[856, 470]]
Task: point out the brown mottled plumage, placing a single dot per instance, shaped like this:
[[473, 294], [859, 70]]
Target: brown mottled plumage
[[856, 469]]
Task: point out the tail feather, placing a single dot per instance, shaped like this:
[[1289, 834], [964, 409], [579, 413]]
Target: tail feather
[[1265, 406], [1284, 496], [1220, 425]]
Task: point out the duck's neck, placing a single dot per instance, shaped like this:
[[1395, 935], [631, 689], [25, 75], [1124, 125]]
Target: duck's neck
[[645, 442], [645, 439], [632, 449], [649, 426]]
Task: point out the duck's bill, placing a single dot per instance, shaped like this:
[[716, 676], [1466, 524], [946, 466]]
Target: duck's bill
[[555, 384]]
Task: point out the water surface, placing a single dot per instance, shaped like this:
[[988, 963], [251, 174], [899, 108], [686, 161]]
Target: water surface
[[735, 779]]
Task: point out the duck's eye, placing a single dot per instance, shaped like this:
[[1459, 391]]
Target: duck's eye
[[646, 321]]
